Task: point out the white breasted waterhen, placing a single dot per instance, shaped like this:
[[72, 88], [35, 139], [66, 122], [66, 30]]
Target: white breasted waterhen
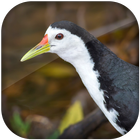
[[112, 83]]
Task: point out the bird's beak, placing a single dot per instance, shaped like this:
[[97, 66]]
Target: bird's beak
[[40, 48]]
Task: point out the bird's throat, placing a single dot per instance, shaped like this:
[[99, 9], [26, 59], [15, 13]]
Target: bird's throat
[[89, 77], [85, 67]]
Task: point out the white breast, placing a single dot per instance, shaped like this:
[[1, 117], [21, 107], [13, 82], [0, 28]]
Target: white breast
[[90, 79], [84, 66]]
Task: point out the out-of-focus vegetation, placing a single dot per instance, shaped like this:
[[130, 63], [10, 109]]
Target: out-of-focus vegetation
[[18, 125], [37, 93], [73, 115]]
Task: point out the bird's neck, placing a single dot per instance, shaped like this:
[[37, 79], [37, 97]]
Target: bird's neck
[[85, 67], [89, 76], [91, 67], [95, 64]]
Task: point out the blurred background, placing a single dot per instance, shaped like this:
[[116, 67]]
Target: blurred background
[[41, 95]]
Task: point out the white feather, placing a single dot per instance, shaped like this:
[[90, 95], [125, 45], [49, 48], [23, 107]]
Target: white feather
[[72, 49]]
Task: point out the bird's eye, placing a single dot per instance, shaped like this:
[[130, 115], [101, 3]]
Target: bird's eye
[[59, 36]]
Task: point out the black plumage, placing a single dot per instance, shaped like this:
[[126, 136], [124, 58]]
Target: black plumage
[[120, 82], [74, 29]]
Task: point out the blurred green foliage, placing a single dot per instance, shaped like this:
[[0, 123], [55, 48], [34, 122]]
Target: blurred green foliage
[[55, 135], [19, 126]]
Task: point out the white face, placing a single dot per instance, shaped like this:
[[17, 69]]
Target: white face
[[69, 47]]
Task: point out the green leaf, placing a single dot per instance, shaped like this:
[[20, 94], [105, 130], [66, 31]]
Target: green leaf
[[73, 115], [54, 135], [20, 127]]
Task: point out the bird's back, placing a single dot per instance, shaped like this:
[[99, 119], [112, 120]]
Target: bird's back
[[120, 82]]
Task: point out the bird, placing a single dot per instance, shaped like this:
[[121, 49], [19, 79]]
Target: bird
[[111, 82]]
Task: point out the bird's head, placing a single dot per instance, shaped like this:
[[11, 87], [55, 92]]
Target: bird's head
[[63, 38]]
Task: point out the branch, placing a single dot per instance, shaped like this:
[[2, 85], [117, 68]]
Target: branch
[[112, 27], [83, 129]]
